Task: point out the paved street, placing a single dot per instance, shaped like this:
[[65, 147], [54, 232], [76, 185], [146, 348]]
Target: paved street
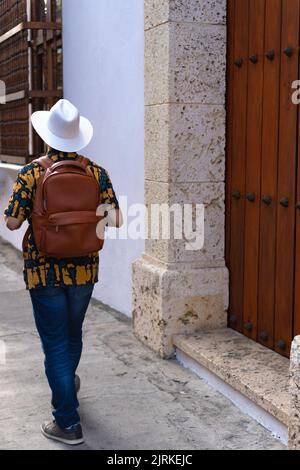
[[130, 398]]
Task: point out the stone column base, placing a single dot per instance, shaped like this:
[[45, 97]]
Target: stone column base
[[174, 299], [294, 427]]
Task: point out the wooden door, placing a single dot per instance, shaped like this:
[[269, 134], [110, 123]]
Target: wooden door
[[263, 171]]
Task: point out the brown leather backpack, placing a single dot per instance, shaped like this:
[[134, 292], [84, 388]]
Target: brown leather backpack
[[64, 216]]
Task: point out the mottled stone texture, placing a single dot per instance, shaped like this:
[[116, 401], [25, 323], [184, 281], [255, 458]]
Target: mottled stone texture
[[257, 372], [185, 143], [176, 290], [294, 428], [169, 301], [200, 11], [185, 63], [209, 194]]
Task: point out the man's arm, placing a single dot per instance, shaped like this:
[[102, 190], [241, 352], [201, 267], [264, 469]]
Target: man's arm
[[109, 205], [13, 223], [20, 203]]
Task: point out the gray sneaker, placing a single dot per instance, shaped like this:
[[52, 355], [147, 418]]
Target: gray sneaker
[[72, 436]]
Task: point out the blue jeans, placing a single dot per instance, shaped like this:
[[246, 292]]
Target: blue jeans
[[59, 314]]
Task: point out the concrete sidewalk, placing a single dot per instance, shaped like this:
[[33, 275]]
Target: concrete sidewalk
[[130, 398]]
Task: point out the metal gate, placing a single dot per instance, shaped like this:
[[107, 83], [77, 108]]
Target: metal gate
[[263, 171], [31, 68]]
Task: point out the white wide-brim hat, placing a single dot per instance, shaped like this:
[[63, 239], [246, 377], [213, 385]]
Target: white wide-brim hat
[[62, 127]]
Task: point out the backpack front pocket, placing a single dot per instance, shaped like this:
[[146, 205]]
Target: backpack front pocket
[[72, 234]]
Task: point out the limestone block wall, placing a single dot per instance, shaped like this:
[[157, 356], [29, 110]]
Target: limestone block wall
[[175, 290], [294, 427]]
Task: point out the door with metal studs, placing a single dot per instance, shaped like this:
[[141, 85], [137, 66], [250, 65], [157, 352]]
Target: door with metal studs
[[263, 171]]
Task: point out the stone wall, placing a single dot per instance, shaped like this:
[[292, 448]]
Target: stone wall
[[294, 427], [175, 290]]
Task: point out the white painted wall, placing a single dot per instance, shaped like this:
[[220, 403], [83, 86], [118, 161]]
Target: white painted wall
[[103, 43]]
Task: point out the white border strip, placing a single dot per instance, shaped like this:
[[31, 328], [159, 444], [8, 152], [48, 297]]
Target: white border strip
[[277, 428], [10, 166], [18, 95]]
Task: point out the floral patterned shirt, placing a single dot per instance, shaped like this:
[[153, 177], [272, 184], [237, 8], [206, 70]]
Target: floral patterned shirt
[[41, 271]]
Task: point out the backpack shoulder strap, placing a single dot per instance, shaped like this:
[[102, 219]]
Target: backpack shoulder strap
[[45, 162], [84, 160]]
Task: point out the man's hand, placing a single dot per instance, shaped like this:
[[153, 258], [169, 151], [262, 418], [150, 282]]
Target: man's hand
[[12, 223], [114, 218]]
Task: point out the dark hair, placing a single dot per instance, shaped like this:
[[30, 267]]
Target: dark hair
[[52, 149]]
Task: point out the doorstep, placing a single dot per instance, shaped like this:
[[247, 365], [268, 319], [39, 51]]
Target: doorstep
[[259, 374]]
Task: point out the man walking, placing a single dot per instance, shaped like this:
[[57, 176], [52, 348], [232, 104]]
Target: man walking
[[58, 196]]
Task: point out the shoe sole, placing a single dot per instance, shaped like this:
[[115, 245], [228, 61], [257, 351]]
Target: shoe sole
[[75, 442]]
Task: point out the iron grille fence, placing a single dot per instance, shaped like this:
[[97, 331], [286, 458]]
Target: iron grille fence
[[31, 69]]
